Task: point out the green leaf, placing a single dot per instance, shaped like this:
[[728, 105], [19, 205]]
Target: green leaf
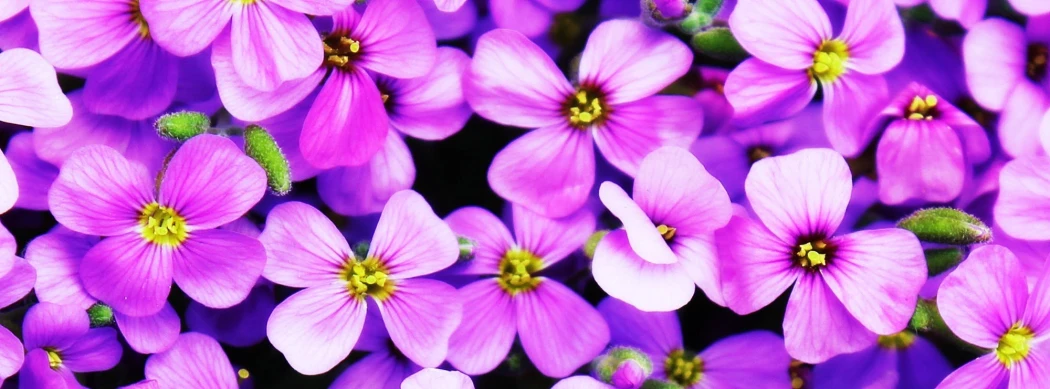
[[181, 126], [261, 146], [719, 43], [946, 226]]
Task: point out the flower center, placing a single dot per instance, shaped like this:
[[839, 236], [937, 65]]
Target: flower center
[[136, 17], [54, 359], [666, 231], [758, 153], [900, 340], [340, 51], [585, 108], [1014, 345], [1038, 54], [516, 271], [367, 278], [799, 373], [922, 108], [829, 61], [813, 254], [683, 368], [162, 225]]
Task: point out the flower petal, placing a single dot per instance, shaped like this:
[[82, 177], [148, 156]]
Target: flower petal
[[112, 90], [581, 381], [552, 239], [650, 287], [985, 369], [512, 81], [1021, 209], [53, 325], [247, 103], [315, 7], [1030, 7], [984, 296], [850, 105], [817, 326], [195, 361], [56, 257], [8, 184], [421, 316], [756, 357], [558, 329], [528, 17], [128, 273], [432, 107], [435, 378], [1020, 119], [303, 247], [17, 283], [488, 233], [675, 189], [550, 171], [98, 192], [621, 56], [76, 34], [801, 194], [186, 27], [410, 239], [482, 342], [271, 44], [96, 350], [919, 159], [397, 39], [875, 36], [635, 129], [759, 91], [30, 93], [991, 78], [877, 274], [317, 327], [755, 268], [967, 12], [218, 268], [365, 189], [347, 124], [377, 370], [34, 175], [242, 325], [210, 182], [872, 367], [12, 354], [781, 33], [644, 239], [656, 333], [150, 334]]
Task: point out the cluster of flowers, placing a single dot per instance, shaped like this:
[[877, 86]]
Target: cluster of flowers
[[778, 158]]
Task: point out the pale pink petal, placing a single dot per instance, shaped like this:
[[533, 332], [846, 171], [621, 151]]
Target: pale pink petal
[[674, 188], [580, 382], [874, 35], [985, 370], [801, 194], [1033, 370], [12, 354], [1020, 119], [1037, 311], [552, 239], [435, 378], [483, 340], [218, 268], [56, 257], [489, 235], [635, 129], [186, 27], [759, 91], [317, 327], [648, 286], [421, 316], [347, 123], [640, 230], [98, 192], [150, 334], [396, 39], [549, 171], [432, 107], [984, 296], [195, 361], [410, 239], [8, 10], [755, 267], [29, 91], [558, 329], [785, 34], [303, 247], [247, 103], [919, 159], [528, 17], [449, 5], [1022, 209], [512, 81], [8, 185], [362, 190], [967, 12], [850, 105], [991, 78], [817, 326], [80, 33], [271, 45], [1031, 7], [128, 273], [698, 256], [315, 7], [630, 61]]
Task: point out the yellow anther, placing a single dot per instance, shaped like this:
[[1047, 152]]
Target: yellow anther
[[683, 368], [1014, 345], [816, 259], [829, 61], [242, 374], [900, 340], [340, 51], [812, 254], [162, 225], [922, 108], [54, 359], [666, 231], [585, 108], [367, 278], [516, 271]]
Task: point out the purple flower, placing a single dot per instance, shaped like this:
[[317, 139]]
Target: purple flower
[[317, 327], [163, 232], [794, 52], [757, 357], [1023, 207], [434, 378], [19, 31], [29, 92], [450, 25], [986, 302], [847, 288], [530, 17], [557, 328], [1027, 7], [712, 96], [241, 325], [34, 174], [551, 170], [347, 123], [666, 248], [11, 8], [900, 360], [195, 361], [16, 279], [1014, 81], [268, 42], [60, 342], [927, 148], [9, 190]]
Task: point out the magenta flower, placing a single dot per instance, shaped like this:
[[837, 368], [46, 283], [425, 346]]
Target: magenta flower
[[195, 361], [557, 328], [927, 147], [530, 17], [16, 280], [847, 288], [986, 302], [60, 341], [450, 25], [1027, 7], [1023, 207], [712, 96], [666, 248], [163, 232], [34, 174], [317, 327], [551, 170], [385, 367], [29, 92], [347, 123], [271, 41], [11, 8], [9, 190], [903, 360], [794, 53], [757, 358], [435, 378], [1014, 82]]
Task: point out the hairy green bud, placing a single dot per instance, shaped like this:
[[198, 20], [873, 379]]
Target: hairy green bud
[[261, 146], [101, 315], [181, 126], [946, 226]]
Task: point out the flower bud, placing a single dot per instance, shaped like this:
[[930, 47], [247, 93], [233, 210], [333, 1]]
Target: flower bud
[[940, 260], [181, 126], [592, 242], [101, 315], [466, 248], [629, 375], [624, 367], [946, 226], [718, 43], [261, 146], [662, 11]]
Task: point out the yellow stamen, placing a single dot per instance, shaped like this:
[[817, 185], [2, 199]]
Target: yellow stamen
[[922, 108], [900, 340], [585, 108], [517, 270], [367, 278], [1014, 345], [242, 374], [829, 61], [683, 368], [812, 254], [340, 51], [137, 18], [162, 225], [666, 231], [54, 359]]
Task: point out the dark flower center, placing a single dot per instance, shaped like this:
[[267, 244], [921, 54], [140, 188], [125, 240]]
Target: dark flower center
[[813, 253], [758, 153], [1038, 54], [586, 108], [922, 108], [340, 51], [683, 368]]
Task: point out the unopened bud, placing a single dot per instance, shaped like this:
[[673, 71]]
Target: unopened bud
[[718, 43], [946, 226], [101, 315], [261, 146], [592, 242], [466, 248], [940, 260], [624, 367], [629, 375], [662, 11], [181, 126]]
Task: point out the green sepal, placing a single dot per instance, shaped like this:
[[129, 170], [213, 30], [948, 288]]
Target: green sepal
[[718, 42], [101, 315], [710, 7], [946, 226], [658, 384], [181, 126], [592, 242], [261, 146], [466, 248], [694, 22], [940, 260], [607, 364]]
